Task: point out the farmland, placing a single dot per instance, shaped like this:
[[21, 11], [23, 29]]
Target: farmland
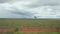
[[31, 25]]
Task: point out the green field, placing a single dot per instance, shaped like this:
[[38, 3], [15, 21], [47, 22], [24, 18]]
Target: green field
[[30, 23], [29, 33], [19, 23], [38, 33]]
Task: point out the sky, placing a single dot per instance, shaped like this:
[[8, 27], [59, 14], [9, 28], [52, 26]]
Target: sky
[[29, 8]]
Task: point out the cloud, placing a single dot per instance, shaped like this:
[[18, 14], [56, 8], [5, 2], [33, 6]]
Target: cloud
[[25, 13], [38, 3], [10, 11], [29, 8], [8, 1]]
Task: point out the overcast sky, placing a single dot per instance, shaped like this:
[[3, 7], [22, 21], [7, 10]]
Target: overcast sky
[[29, 8]]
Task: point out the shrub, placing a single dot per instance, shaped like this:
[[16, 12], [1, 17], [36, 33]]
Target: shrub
[[19, 33]]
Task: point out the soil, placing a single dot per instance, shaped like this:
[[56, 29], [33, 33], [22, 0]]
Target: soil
[[7, 29], [38, 29]]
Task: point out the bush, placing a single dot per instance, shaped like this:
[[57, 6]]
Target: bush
[[6, 32], [19, 33]]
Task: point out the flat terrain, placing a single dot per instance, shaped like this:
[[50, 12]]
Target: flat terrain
[[29, 22], [29, 25]]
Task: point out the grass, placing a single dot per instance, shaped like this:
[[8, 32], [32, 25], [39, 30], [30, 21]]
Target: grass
[[6, 32], [19, 33], [19, 23], [29, 33], [29, 23], [47, 33], [38, 33]]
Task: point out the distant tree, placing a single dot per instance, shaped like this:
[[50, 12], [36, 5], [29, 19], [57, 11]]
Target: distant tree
[[57, 26], [16, 29], [35, 17]]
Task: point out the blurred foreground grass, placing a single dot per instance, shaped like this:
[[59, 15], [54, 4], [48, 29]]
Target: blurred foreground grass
[[29, 33], [37, 33]]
